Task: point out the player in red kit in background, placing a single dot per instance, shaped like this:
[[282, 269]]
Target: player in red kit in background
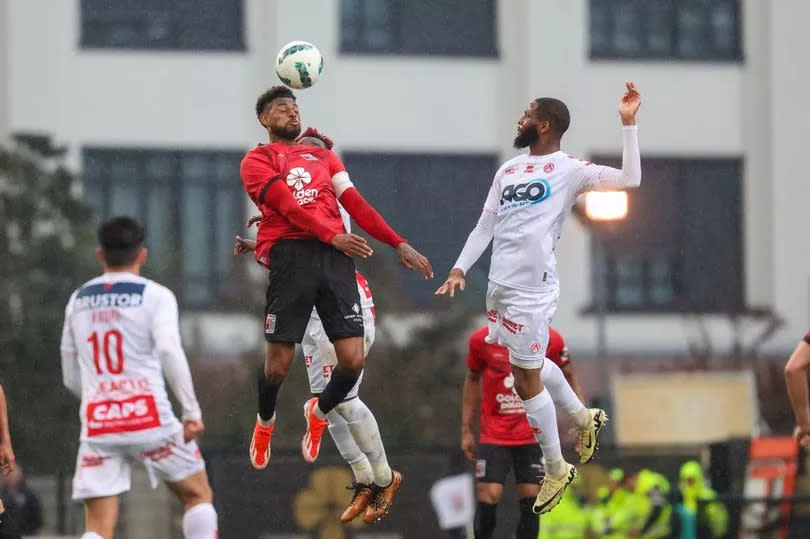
[[506, 438], [302, 241]]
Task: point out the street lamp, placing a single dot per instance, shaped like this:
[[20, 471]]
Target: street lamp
[[606, 205], [601, 209]]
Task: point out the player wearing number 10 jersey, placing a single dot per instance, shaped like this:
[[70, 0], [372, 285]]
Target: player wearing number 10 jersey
[[120, 337]]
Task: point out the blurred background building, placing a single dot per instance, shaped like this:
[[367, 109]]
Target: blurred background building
[[153, 102]]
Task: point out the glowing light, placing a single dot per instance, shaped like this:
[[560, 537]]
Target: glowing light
[[606, 205]]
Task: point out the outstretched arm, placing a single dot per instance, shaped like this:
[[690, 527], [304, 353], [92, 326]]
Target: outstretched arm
[[596, 177], [475, 245], [796, 381], [264, 187], [370, 220]]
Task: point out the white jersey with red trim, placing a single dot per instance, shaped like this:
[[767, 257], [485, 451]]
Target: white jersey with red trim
[[121, 331], [526, 207]]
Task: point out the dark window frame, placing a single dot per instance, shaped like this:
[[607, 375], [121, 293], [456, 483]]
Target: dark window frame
[[177, 185], [714, 55], [95, 16], [679, 258], [403, 46]]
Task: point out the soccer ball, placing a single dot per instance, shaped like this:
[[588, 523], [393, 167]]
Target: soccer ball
[[299, 64]]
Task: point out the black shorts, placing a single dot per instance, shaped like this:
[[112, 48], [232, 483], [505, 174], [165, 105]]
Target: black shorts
[[495, 461], [305, 274]]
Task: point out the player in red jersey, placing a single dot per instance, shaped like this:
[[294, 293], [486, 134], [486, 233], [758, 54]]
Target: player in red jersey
[[358, 440], [506, 438], [796, 380], [297, 189]]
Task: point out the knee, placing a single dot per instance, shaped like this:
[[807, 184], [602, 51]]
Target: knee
[[489, 493], [521, 386], [355, 364], [527, 382], [276, 366]]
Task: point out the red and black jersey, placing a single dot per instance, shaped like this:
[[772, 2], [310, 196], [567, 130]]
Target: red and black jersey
[[308, 172]]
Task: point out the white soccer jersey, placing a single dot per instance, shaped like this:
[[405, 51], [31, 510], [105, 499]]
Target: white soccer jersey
[[527, 204], [121, 334]]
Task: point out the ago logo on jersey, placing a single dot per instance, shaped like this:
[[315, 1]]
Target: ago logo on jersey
[[524, 194]]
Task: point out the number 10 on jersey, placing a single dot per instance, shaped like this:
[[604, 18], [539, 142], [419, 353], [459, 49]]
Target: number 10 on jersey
[[113, 343]]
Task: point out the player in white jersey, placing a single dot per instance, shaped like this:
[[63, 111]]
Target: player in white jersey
[[523, 216], [352, 425], [120, 338]]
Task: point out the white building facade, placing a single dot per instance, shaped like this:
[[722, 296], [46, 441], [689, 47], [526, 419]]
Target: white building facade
[[734, 109]]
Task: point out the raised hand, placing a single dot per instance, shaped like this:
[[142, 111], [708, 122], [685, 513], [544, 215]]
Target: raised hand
[[242, 246], [7, 460], [454, 279], [414, 260], [352, 245], [628, 106], [192, 428], [253, 220]]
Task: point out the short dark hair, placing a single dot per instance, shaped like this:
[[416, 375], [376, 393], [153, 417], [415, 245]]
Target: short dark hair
[[121, 239], [555, 112], [272, 93], [311, 132]]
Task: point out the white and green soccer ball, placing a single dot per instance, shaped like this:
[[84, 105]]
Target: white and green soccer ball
[[299, 64]]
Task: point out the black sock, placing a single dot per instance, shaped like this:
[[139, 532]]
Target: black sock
[[336, 389], [267, 396], [485, 520], [529, 524]]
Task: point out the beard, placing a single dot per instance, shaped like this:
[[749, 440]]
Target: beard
[[526, 138], [286, 132]]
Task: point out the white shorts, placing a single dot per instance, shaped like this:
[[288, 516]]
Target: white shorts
[[104, 469], [519, 320], [320, 356]]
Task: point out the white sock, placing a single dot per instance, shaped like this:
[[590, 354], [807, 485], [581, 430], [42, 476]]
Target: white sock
[[563, 395], [543, 419], [200, 522], [365, 432], [348, 448], [91, 535], [267, 423]]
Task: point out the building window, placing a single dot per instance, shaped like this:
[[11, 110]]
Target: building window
[[680, 247], [434, 200], [418, 27], [192, 204], [196, 25], [696, 30]]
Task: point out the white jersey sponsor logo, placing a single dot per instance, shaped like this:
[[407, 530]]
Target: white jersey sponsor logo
[[531, 196], [110, 326]]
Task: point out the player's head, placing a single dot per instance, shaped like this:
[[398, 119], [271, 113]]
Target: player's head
[[313, 137], [120, 243], [278, 113], [544, 119]]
